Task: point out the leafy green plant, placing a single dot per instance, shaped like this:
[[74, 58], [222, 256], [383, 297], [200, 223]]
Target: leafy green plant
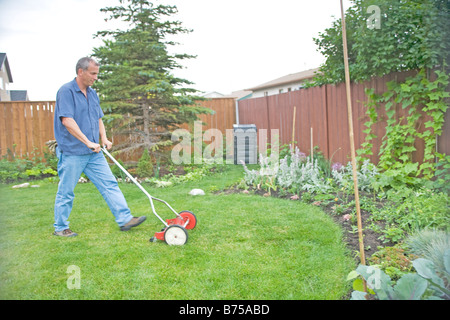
[[366, 173], [421, 98], [263, 178], [23, 169], [398, 179], [394, 261], [442, 173], [426, 284], [407, 211], [194, 173]]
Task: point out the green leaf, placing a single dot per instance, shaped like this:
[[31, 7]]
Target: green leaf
[[390, 114], [405, 87], [410, 287], [425, 268], [447, 260], [429, 124], [352, 275]]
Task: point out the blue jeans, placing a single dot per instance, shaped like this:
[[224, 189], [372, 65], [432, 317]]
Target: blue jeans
[[97, 170]]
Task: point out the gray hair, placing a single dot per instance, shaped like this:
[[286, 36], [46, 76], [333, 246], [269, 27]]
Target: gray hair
[[84, 62]]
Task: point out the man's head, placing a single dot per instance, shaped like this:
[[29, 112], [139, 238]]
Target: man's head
[[87, 70]]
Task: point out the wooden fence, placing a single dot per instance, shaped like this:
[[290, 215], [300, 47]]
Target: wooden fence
[[222, 118], [322, 113], [25, 127], [224, 115]]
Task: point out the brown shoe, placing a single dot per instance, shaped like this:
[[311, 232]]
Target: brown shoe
[[134, 222], [65, 233]]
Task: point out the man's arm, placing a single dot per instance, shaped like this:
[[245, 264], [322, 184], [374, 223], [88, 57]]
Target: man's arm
[[74, 130], [105, 141]]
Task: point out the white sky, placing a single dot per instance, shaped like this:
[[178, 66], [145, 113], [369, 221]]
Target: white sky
[[239, 43]]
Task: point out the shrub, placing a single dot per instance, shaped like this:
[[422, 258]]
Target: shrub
[[431, 245], [145, 165], [117, 172]]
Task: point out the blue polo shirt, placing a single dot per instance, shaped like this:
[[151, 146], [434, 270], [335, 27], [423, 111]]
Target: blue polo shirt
[[72, 103]]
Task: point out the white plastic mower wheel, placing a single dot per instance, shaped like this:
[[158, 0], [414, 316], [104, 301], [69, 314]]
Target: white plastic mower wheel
[[175, 235]]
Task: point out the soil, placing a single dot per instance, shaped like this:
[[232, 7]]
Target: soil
[[179, 171], [372, 241]]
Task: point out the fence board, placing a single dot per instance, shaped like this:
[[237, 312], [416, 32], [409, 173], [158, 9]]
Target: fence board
[[224, 114], [25, 127], [3, 143], [21, 125]]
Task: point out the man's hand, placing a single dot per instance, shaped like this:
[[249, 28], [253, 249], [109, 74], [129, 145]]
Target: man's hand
[[106, 143], [94, 147]]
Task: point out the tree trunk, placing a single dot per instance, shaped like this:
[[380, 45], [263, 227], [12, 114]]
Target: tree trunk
[[146, 115]]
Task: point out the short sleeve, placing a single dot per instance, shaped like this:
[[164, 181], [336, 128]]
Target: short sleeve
[[65, 103]]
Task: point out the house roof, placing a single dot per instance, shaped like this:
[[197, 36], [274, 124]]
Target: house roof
[[212, 94], [238, 94], [4, 59], [290, 78]]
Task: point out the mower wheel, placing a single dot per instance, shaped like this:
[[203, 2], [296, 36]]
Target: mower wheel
[[175, 235], [192, 219]]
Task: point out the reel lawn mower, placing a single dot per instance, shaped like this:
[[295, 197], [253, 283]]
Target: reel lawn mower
[[174, 231]]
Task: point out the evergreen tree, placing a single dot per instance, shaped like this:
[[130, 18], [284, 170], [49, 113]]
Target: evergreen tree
[[140, 95]]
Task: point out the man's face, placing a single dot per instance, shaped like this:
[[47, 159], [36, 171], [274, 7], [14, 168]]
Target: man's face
[[88, 76]]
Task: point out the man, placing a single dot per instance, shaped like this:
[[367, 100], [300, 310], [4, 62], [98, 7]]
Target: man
[[78, 125]]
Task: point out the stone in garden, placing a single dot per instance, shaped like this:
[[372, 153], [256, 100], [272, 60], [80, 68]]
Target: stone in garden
[[197, 192], [23, 185]]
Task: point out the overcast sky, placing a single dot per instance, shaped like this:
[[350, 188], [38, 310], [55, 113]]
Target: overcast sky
[[239, 43]]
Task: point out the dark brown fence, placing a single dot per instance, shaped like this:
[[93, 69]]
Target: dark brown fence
[[321, 112], [25, 127]]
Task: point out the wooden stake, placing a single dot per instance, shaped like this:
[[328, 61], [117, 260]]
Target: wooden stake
[[352, 140], [293, 128], [312, 146]]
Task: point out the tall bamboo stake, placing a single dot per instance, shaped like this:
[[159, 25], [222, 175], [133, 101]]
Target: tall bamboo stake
[[352, 140], [293, 128]]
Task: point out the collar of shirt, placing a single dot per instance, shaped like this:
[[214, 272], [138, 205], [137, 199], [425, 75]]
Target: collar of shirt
[[76, 87]]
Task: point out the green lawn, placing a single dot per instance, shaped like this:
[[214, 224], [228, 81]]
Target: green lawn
[[244, 247]]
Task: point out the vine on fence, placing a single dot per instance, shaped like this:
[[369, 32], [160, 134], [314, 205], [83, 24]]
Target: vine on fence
[[422, 97]]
